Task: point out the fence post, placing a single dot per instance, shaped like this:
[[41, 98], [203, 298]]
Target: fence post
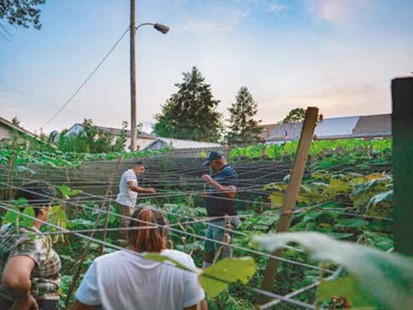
[[402, 130], [291, 195]]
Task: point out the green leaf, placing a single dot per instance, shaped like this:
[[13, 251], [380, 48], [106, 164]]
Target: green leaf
[[27, 221], [227, 270], [277, 199], [344, 287], [387, 279], [12, 215], [66, 191], [165, 259], [380, 199]]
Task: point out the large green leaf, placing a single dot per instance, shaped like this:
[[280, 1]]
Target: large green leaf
[[165, 259], [386, 279], [12, 215], [27, 221], [215, 278], [344, 287], [66, 191]]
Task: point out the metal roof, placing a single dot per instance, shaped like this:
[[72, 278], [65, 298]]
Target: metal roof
[[337, 127], [184, 144]]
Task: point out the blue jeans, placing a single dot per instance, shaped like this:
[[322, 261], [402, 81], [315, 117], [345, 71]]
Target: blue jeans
[[216, 231]]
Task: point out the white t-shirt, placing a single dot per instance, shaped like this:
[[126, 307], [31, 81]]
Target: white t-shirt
[[127, 197], [123, 280]]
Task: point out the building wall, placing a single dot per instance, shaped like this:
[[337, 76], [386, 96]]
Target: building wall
[[5, 132]]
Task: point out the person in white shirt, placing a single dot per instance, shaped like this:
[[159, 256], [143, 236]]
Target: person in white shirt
[[128, 192], [125, 280]]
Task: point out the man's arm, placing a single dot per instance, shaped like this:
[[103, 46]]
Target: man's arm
[[229, 191], [133, 187], [16, 282]]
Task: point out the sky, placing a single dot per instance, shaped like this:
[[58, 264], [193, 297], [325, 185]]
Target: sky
[[338, 55]]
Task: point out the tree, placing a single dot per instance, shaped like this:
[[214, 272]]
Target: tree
[[191, 112], [120, 143], [90, 140], [243, 127], [22, 13], [295, 116], [15, 121]]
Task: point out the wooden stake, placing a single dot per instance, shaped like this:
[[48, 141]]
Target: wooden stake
[[291, 195], [402, 129]]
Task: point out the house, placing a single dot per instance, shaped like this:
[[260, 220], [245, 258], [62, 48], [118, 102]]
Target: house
[[8, 130], [285, 132], [363, 127], [179, 144], [143, 138], [373, 126], [265, 131]]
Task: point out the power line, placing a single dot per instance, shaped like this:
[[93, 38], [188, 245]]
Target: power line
[[88, 78]]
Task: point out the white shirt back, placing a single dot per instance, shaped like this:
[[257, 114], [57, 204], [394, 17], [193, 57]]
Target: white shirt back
[[123, 280], [127, 197]]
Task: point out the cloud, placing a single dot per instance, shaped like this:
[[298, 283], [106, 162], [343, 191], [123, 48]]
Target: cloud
[[338, 10], [222, 21], [276, 8]]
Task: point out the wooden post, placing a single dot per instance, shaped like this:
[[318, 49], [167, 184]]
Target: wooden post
[[291, 195], [133, 77], [402, 129]]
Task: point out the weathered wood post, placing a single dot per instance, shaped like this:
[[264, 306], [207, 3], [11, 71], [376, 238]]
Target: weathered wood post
[[291, 195], [402, 131]]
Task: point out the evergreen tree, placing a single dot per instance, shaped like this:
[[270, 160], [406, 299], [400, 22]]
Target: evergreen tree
[[191, 112], [243, 127]]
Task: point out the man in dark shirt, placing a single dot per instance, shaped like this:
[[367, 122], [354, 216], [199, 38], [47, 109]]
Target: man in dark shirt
[[220, 203]]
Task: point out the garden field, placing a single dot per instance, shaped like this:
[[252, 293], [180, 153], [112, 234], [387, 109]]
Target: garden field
[[346, 196]]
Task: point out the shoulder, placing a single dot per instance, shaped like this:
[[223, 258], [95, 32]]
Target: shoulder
[[229, 172], [180, 257], [108, 258]]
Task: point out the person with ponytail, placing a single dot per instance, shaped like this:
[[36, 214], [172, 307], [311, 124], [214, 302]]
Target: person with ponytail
[[126, 280]]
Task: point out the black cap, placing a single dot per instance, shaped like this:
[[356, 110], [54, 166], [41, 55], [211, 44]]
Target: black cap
[[212, 156]]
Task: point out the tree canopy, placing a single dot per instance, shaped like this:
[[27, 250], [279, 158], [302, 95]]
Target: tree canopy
[[243, 127], [295, 116], [191, 112], [21, 13]]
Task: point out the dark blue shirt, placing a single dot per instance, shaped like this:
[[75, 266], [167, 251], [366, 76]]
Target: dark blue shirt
[[218, 204]]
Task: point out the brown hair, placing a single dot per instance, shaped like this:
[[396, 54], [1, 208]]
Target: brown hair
[[149, 239], [37, 193]]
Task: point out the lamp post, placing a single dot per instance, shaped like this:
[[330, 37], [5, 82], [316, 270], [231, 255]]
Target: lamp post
[[159, 27]]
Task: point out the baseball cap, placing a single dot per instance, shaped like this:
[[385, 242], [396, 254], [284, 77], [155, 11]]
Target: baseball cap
[[212, 156]]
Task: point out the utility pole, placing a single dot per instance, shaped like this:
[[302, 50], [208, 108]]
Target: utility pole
[[133, 76]]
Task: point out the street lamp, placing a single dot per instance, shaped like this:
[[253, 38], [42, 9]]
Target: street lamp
[[159, 27]]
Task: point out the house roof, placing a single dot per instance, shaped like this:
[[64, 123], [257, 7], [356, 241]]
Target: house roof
[[337, 127], [291, 130], [266, 131], [18, 128], [184, 144], [373, 126], [117, 131]]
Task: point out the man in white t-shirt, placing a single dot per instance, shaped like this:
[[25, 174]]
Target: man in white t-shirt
[[128, 192], [123, 280]]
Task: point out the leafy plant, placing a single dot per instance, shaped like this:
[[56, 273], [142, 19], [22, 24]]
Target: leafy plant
[[374, 278]]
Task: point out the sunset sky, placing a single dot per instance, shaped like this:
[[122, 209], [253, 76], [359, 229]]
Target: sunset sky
[[338, 55]]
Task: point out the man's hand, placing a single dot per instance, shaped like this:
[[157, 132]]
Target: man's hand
[[207, 178], [25, 304], [151, 190]]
